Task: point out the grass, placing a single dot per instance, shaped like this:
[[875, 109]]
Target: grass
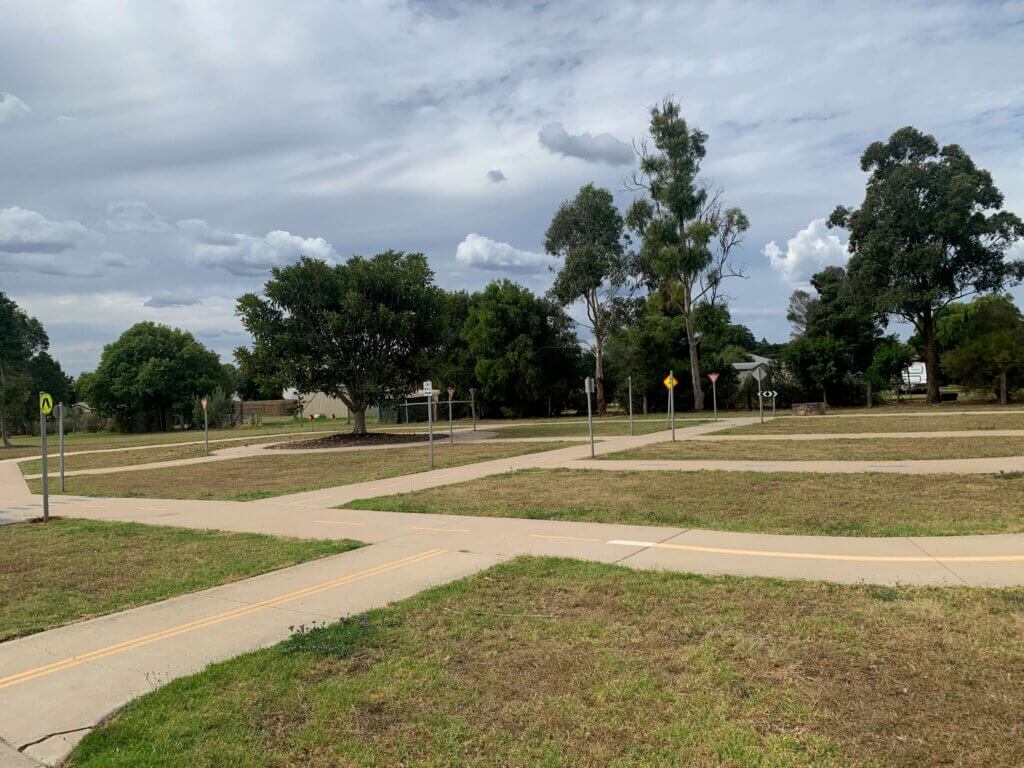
[[143, 455], [564, 664], [954, 421], [69, 570], [873, 449], [577, 428], [260, 477], [874, 504]]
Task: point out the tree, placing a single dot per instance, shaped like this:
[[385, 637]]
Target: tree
[[22, 338], [931, 230], [452, 365], [687, 234], [152, 372], [587, 234], [645, 349], [360, 331], [801, 305], [527, 357], [890, 360], [991, 352]]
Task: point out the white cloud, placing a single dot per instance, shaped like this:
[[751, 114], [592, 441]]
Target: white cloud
[[25, 231], [603, 148], [481, 252], [11, 107], [248, 255], [807, 252], [134, 216]]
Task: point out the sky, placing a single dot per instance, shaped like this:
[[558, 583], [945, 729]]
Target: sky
[[159, 158]]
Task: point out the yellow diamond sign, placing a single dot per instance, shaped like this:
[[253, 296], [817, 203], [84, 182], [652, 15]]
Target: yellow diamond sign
[[45, 403], [670, 381]]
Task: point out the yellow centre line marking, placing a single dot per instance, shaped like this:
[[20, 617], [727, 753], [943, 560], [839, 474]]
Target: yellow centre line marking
[[138, 642], [440, 530], [564, 538], [339, 522], [824, 556]]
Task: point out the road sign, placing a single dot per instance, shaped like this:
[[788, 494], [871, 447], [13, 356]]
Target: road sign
[[713, 377], [451, 392], [333, 416], [45, 403], [769, 393], [428, 387], [588, 385], [204, 402], [670, 381]]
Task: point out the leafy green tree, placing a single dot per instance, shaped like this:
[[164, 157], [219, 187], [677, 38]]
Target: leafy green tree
[[527, 356], [22, 339], [891, 358], [218, 409], [931, 230], [360, 331], [687, 233], [991, 351], [645, 350], [452, 365], [587, 233], [152, 372]]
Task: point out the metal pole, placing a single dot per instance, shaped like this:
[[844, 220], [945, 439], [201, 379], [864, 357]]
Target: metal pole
[[451, 431], [46, 484], [430, 426], [590, 418], [206, 429], [774, 398], [714, 398], [60, 433], [672, 398], [760, 398], [472, 405], [630, 405]]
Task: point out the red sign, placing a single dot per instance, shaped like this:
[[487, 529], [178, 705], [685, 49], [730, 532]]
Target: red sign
[[451, 392], [713, 377], [203, 402]]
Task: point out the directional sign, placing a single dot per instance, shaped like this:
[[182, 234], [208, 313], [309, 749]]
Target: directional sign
[[769, 393], [428, 387], [45, 403], [670, 381], [713, 377]]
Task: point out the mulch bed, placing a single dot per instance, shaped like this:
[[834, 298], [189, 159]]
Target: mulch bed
[[348, 440]]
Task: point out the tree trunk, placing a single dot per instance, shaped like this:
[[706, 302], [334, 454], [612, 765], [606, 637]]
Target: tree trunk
[[645, 404], [869, 393], [698, 393], [602, 407], [1002, 388], [3, 426], [359, 420], [931, 357]]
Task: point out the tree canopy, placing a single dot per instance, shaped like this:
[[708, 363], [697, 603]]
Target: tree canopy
[[931, 230], [989, 353], [25, 366], [360, 331]]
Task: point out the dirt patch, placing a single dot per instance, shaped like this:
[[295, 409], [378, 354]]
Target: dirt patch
[[348, 440]]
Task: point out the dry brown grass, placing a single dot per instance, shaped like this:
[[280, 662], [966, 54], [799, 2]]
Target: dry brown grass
[[802, 503], [873, 449], [275, 474], [952, 421], [543, 662]]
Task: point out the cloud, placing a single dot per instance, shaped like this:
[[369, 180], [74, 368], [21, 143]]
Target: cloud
[[168, 300], [496, 177], [115, 260], [11, 107], [248, 255], [134, 216], [807, 252], [603, 148], [481, 252], [25, 231]]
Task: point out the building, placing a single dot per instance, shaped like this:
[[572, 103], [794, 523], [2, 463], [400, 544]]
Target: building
[[757, 364]]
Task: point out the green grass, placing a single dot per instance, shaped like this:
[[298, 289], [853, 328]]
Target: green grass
[[836, 449], [956, 420], [564, 664], [578, 428], [277, 473], [874, 504], [67, 570]]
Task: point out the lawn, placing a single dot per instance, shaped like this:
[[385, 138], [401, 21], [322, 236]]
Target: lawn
[[558, 663], [260, 477], [578, 428], [953, 421], [68, 570], [873, 449], [874, 504], [143, 455]]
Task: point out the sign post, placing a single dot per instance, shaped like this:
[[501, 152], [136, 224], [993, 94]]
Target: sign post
[[630, 380], [451, 431], [428, 390], [670, 382], [45, 406], [714, 392], [588, 386], [206, 423], [771, 394], [472, 405], [60, 439], [760, 396]]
